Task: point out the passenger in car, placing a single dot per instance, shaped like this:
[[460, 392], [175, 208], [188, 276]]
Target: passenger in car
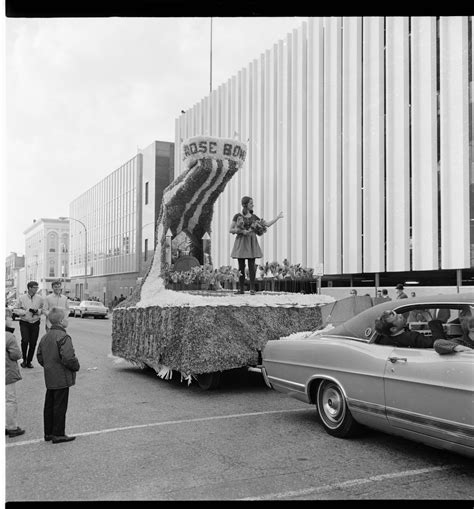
[[464, 343], [392, 327]]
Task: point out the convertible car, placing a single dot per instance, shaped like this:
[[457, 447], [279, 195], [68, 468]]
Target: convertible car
[[354, 382]]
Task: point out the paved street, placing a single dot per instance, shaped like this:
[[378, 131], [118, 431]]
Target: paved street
[[143, 438]]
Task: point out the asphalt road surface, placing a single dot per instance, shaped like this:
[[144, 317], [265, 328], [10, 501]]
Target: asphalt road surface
[[143, 438]]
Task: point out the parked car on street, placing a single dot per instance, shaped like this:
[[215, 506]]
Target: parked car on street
[[91, 308], [73, 306], [354, 382]]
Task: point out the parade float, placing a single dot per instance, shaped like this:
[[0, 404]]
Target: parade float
[[201, 334]]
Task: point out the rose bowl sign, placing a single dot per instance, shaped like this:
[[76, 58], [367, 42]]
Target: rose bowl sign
[[201, 147]]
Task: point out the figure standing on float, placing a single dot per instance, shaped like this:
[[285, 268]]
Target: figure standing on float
[[246, 226]]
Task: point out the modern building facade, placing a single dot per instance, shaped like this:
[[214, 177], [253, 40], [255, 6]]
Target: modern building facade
[[47, 254], [360, 130], [113, 222]]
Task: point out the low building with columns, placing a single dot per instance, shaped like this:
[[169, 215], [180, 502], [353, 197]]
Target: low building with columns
[[47, 254]]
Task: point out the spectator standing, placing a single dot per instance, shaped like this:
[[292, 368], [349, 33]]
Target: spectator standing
[[353, 293], [385, 294], [12, 375], [378, 299], [400, 293], [55, 299], [30, 308], [56, 355]]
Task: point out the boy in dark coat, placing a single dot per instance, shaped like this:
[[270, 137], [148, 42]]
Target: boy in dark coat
[[56, 355]]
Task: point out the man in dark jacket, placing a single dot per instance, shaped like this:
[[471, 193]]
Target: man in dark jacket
[[392, 326], [56, 355], [12, 371]]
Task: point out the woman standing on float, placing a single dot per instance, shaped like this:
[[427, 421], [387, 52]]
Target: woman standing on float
[[246, 226]]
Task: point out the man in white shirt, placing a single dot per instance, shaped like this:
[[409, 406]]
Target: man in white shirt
[[55, 300], [29, 309]]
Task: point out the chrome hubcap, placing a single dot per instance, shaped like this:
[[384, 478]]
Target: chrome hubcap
[[333, 404]]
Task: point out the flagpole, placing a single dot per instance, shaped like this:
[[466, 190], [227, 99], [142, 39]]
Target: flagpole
[[210, 67]]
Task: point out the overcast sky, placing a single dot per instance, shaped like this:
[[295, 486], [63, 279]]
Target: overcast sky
[[83, 93]]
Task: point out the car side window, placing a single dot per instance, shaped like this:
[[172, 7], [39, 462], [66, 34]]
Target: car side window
[[449, 316]]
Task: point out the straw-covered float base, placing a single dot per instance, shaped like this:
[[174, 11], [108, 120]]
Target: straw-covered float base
[[204, 339]]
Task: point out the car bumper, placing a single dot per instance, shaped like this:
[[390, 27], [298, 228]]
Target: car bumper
[[92, 313], [262, 370]]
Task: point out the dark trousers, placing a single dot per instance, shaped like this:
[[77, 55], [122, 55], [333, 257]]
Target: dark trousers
[[54, 413], [29, 337], [252, 271]]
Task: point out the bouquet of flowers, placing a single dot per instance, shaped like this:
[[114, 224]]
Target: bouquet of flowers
[[240, 226], [259, 227]]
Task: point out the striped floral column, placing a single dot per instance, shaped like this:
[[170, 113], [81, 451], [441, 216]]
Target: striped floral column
[[188, 202]]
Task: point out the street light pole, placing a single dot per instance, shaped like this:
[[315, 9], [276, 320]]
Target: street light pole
[[85, 251]]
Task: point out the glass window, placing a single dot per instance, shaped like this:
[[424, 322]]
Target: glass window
[[52, 241]]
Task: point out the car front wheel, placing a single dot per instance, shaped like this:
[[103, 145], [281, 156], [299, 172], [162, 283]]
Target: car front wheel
[[332, 409]]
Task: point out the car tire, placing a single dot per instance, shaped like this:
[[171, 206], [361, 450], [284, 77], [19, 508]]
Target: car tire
[[333, 411], [83, 315], [209, 381]]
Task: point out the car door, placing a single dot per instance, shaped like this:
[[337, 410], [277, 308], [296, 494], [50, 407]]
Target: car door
[[430, 393]]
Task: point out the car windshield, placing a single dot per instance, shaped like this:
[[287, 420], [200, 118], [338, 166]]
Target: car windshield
[[91, 303]]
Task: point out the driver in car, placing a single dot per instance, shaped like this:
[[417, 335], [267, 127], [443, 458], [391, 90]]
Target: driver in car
[[392, 327]]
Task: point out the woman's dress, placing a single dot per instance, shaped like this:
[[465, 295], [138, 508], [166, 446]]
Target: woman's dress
[[246, 246]]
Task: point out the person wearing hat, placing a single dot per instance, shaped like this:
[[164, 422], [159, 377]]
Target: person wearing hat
[[246, 226], [400, 293], [55, 299], [29, 309]]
